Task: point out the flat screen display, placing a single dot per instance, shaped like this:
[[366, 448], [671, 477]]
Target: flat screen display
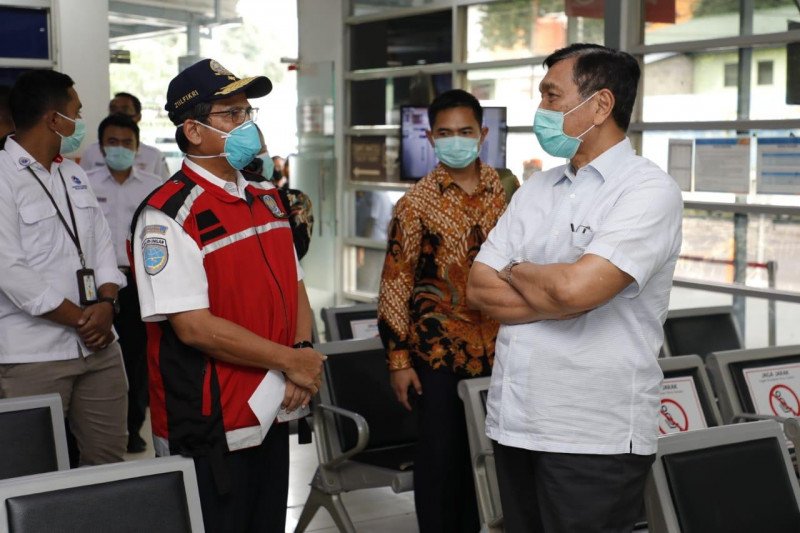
[[701, 335], [416, 154]]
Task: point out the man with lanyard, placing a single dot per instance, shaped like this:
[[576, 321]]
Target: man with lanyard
[[120, 187], [229, 321], [59, 275], [148, 158], [578, 271]]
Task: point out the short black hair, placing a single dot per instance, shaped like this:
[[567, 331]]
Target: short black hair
[[599, 67], [36, 92], [198, 112], [137, 105], [119, 120], [451, 99]]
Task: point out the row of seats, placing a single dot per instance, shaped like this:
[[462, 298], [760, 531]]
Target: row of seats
[[38, 491], [366, 439]]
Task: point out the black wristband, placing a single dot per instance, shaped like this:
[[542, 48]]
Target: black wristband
[[303, 344]]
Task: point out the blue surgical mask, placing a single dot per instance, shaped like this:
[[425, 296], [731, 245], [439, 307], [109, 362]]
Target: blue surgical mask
[[119, 157], [72, 142], [549, 129], [242, 144], [456, 151], [268, 167]]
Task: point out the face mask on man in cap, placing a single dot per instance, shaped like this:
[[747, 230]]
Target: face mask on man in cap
[[242, 144]]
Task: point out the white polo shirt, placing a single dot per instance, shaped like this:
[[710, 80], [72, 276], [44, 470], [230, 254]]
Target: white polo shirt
[[38, 259], [119, 202], [148, 158], [181, 285], [587, 385]]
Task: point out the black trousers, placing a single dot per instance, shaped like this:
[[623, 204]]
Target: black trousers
[[570, 493], [133, 341], [259, 487], [444, 490]]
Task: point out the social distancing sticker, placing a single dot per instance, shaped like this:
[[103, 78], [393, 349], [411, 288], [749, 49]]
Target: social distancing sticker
[[774, 389]]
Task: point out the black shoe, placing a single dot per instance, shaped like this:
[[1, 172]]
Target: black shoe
[[136, 444]]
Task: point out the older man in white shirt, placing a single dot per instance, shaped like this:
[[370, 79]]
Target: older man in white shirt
[[578, 271], [59, 278], [120, 187]]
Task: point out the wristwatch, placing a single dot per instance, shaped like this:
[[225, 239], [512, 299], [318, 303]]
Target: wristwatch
[[113, 301], [303, 344], [508, 267]]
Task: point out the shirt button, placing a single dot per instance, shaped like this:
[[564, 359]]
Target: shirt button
[[572, 195], [555, 233]]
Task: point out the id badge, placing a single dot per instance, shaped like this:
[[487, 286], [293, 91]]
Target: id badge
[[86, 286]]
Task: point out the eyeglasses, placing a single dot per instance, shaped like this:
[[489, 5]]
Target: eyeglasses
[[239, 114]]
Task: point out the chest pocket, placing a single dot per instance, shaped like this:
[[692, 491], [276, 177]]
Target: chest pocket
[[84, 205], [580, 241], [38, 222]]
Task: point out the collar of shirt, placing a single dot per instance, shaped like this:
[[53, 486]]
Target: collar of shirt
[[607, 165], [227, 186], [134, 174], [445, 180], [23, 159]]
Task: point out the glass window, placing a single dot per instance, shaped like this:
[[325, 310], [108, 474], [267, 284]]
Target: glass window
[[369, 7], [669, 22], [511, 29], [368, 268], [765, 72], [377, 102], [516, 88], [24, 33], [373, 212], [416, 40], [689, 87]]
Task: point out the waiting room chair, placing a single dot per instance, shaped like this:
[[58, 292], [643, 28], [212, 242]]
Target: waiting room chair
[[700, 331], [473, 392], [364, 437], [350, 322], [735, 478], [32, 436], [149, 495], [759, 383]]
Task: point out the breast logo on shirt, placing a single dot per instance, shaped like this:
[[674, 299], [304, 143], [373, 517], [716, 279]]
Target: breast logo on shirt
[[269, 201], [78, 184], [155, 254]]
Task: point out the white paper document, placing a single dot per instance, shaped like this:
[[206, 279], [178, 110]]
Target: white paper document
[[775, 389], [267, 398]]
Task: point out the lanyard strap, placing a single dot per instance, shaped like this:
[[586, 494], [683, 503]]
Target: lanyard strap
[[73, 233]]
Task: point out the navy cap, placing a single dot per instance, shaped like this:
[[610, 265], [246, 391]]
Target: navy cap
[[206, 81]]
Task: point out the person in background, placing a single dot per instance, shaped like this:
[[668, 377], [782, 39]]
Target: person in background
[[295, 201], [432, 339], [120, 187], [578, 271], [148, 158], [277, 172], [229, 332], [59, 282], [6, 122]]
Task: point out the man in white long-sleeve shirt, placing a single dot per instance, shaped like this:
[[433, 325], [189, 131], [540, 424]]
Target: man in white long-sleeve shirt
[[59, 280]]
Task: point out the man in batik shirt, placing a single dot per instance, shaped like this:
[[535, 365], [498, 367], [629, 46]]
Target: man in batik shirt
[[432, 339]]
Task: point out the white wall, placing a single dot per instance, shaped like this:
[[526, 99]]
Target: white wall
[[80, 34]]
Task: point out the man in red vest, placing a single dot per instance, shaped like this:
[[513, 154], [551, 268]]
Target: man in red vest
[[229, 322]]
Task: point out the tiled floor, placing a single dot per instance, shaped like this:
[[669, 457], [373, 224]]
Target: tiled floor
[[372, 511]]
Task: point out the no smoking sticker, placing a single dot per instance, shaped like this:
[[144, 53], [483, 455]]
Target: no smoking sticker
[[783, 401], [774, 389], [672, 417]]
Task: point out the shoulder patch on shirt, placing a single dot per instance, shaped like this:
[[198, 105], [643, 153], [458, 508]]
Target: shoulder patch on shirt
[[78, 184], [272, 205], [155, 254]]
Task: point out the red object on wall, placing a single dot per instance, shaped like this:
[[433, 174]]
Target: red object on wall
[[655, 10]]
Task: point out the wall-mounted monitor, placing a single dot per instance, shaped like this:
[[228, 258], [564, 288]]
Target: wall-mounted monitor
[[417, 157]]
